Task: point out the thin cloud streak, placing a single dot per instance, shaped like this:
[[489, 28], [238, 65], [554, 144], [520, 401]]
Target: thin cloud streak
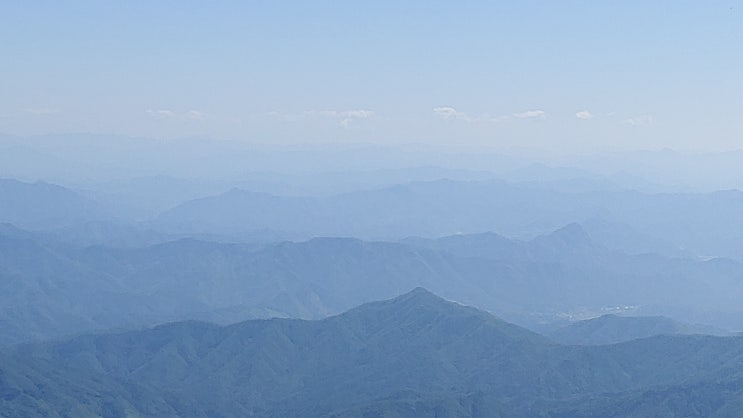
[[639, 121], [451, 113], [584, 115], [531, 114], [344, 118]]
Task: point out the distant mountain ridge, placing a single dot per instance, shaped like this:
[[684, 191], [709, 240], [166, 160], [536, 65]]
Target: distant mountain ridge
[[612, 329], [447, 207], [672, 224], [570, 240], [526, 282], [43, 205]]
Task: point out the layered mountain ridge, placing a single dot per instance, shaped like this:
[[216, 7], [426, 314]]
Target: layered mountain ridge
[[414, 355]]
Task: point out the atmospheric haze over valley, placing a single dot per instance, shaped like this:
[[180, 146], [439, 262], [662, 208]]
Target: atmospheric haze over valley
[[341, 209]]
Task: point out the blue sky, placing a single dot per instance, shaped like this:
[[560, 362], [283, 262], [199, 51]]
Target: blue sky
[[552, 76]]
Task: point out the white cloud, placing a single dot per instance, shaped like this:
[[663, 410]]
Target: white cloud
[[639, 121], [194, 115], [344, 117], [161, 113], [450, 113], [358, 114], [531, 114], [584, 114]]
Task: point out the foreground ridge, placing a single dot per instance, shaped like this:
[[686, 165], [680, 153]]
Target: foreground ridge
[[416, 354]]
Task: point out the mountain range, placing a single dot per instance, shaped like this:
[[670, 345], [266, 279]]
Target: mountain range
[[672, 224], [445, 207], [51, 289], [44, 206], [414, 355]]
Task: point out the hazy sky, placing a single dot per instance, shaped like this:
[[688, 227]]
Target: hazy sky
[[566, 75]]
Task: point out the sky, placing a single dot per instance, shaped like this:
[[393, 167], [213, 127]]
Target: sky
[[569, 76]]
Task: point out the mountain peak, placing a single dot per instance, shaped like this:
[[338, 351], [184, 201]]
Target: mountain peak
[[422, 291], [417, 298], [421, 312], [422, 296], [572, 235], [572, 231]]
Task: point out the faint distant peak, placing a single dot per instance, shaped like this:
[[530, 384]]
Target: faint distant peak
[[572, 233], [477, 236]]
